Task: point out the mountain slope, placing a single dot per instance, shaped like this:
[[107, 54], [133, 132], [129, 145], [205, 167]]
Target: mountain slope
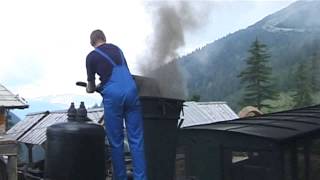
[[292, 35], [12, 119]]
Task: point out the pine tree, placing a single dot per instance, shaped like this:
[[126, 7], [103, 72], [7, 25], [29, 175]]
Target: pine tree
[[257, 77], [315, 73], [302, 96], [195, 98]]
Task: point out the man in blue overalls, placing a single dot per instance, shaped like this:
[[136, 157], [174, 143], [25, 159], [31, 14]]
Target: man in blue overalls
[[121, 101]]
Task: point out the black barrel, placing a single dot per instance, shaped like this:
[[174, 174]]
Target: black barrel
[[161, 117], [75, 151]]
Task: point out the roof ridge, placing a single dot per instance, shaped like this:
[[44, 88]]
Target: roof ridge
[[18, 102]]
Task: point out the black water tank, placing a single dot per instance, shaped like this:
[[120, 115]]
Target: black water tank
[[161, 117], [75, 151]]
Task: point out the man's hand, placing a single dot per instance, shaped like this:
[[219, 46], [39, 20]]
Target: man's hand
[[91, 87]]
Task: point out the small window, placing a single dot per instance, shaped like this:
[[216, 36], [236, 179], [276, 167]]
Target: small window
[[238, 156], [247, 165]]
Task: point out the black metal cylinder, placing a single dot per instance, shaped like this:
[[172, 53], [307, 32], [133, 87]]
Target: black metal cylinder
[[161, 117], [75, 151]]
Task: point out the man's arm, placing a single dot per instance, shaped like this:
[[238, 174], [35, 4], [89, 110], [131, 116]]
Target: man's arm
[[91, 85]]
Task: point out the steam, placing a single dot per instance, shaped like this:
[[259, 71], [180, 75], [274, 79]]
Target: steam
[[171, 20]]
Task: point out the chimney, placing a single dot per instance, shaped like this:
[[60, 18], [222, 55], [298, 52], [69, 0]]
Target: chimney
[[82, 113], [72, 113], [77, 115]]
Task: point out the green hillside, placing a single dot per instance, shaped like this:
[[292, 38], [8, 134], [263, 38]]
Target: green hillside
[[292, 36]]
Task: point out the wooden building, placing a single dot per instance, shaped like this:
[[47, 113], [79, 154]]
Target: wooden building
[[278, 146], [8, 101], [8, 146]]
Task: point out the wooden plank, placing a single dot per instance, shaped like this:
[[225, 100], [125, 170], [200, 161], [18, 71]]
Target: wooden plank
[[8, 149], [12, 168], [6, 141], [3, 120]]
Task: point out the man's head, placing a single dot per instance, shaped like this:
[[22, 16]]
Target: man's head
[[97, 38]]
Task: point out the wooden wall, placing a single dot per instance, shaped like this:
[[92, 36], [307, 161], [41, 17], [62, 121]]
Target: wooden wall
[[3, 120]]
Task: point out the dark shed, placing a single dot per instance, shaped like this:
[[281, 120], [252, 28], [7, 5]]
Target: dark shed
[[277, 146]]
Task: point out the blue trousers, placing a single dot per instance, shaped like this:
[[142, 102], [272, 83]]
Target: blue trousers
[[116, 109], [121, 101]]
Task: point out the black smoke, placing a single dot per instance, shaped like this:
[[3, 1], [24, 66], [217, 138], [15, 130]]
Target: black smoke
[[171, 20]]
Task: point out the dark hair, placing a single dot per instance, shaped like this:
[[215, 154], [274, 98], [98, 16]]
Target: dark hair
[[97, 35]]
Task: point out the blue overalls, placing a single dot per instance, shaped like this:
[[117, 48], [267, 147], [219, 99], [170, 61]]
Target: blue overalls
[[121, 101]]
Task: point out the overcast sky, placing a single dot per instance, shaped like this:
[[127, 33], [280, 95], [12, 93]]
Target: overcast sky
[[43, 44]]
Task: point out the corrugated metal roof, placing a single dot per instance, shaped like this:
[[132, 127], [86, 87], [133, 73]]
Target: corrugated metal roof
[[9, 100], [198, 113], [32, 129], [24, 126], [96, 115], [280, 126], [37, 135]]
